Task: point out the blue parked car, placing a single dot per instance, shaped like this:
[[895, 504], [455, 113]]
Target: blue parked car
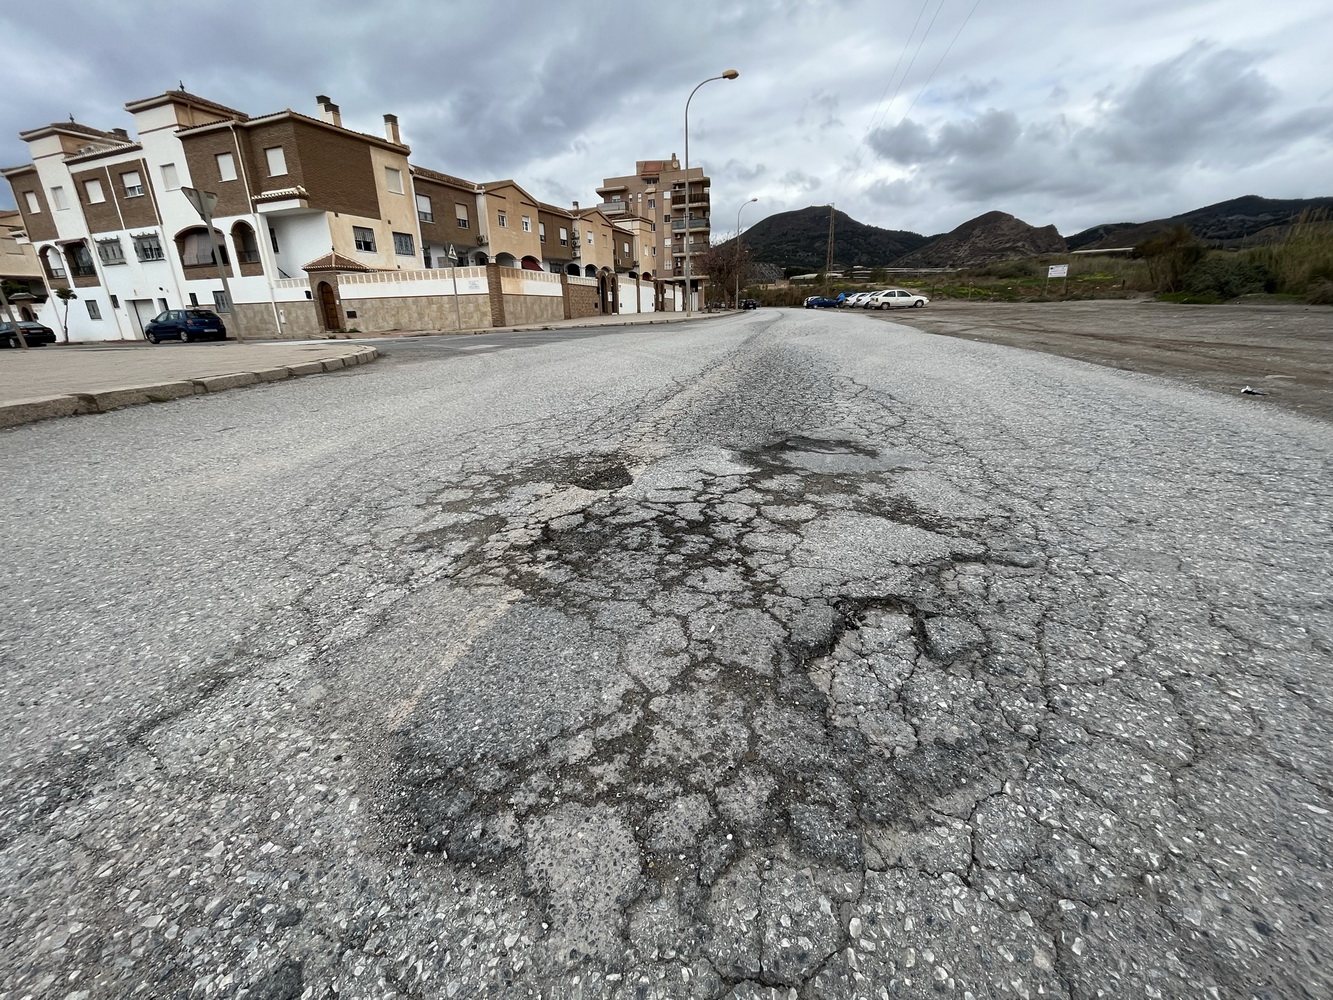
[[185, 325], [820, 302]]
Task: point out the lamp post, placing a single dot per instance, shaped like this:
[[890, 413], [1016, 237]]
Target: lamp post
[[727, 74], [738, 249]]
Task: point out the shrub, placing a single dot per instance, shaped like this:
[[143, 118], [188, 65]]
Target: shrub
[[1320, 292], [1304, 256], [1170, 256], [1228, 277]]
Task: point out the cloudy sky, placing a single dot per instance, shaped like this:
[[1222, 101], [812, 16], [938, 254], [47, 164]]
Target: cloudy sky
[[906, 114]]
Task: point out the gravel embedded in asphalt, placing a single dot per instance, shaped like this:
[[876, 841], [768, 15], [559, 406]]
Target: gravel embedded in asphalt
[[783, 652]]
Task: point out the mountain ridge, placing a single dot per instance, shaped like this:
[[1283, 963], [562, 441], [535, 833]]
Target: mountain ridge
[[799, 239]]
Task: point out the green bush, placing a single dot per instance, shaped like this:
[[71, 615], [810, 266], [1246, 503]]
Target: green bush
[[1303, 258], [1228, 277], [1320, 292], [1170, 255]]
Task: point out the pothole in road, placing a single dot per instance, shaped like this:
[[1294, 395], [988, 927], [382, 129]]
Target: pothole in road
[[833, 456], [754, 706]]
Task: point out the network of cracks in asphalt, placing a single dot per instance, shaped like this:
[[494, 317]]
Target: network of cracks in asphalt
[[807, 721]]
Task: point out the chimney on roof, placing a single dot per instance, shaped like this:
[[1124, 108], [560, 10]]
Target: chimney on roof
[[328, 111], [391, 129], [576, 206]]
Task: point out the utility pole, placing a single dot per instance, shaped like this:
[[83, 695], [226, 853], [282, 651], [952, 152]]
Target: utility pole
[[828, 260]]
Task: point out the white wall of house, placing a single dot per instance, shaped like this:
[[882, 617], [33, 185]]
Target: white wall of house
[[301, 238], [399, 284]]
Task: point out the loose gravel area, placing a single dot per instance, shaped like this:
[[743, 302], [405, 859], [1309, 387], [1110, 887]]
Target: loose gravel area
[[1283, 352], [786, 655]]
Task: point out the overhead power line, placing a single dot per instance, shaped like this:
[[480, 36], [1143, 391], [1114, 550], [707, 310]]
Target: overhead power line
[[940, 61], [857, 170]]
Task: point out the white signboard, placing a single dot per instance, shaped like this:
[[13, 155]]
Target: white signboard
[[1058, 271]]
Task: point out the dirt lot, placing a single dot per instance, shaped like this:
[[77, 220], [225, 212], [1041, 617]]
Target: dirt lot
[[1285, 351]]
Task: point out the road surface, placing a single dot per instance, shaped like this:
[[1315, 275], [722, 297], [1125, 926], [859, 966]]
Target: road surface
[[780, 655]]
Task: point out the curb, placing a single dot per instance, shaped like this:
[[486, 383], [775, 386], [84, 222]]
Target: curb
[[26, 411]]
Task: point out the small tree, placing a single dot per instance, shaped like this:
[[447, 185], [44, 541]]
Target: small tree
[[64, 295], [724, 266], [1170, 255]]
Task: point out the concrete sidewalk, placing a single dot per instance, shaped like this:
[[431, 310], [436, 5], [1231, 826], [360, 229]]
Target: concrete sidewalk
[[64, 380], [67, 379]]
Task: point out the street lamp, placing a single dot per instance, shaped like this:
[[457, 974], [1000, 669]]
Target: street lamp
[[738, 249], [727, 74]]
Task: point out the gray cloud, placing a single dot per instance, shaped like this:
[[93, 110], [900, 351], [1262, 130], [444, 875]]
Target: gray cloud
[[970, 91], [1071, 119], [896, 193], [800, 181], [744, 171], [1203, 106], [1202, 103], [906, 143]]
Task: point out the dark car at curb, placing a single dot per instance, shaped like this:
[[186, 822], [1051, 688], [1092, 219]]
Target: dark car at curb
[[185, 325], [820, 302], [34, 333]]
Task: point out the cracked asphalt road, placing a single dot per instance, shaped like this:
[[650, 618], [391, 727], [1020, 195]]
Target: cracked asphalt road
[[782, 655]]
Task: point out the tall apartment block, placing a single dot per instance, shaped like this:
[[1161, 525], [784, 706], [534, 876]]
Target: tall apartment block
[[652, 201]]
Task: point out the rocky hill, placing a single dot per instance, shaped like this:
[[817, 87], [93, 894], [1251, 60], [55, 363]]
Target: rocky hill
[[799, 239], [1245, 220], [990, 237]]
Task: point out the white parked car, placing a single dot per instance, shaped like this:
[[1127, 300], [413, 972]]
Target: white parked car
[[896, 298], [856, 300]]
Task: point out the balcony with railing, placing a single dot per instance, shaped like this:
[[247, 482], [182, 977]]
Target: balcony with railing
[[615, 208], [696, 222]]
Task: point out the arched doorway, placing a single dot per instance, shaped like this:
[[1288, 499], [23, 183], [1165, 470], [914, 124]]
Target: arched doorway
[[328, 307], [531, 264], [247, 248], [572, 269], [506, 260]]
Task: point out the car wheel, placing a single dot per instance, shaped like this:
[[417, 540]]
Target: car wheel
[[14, 343], [917, 304], [149, 336], [185, 336]]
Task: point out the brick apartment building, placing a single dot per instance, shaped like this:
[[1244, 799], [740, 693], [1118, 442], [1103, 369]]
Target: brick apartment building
[[651, 203], [308, 213]]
